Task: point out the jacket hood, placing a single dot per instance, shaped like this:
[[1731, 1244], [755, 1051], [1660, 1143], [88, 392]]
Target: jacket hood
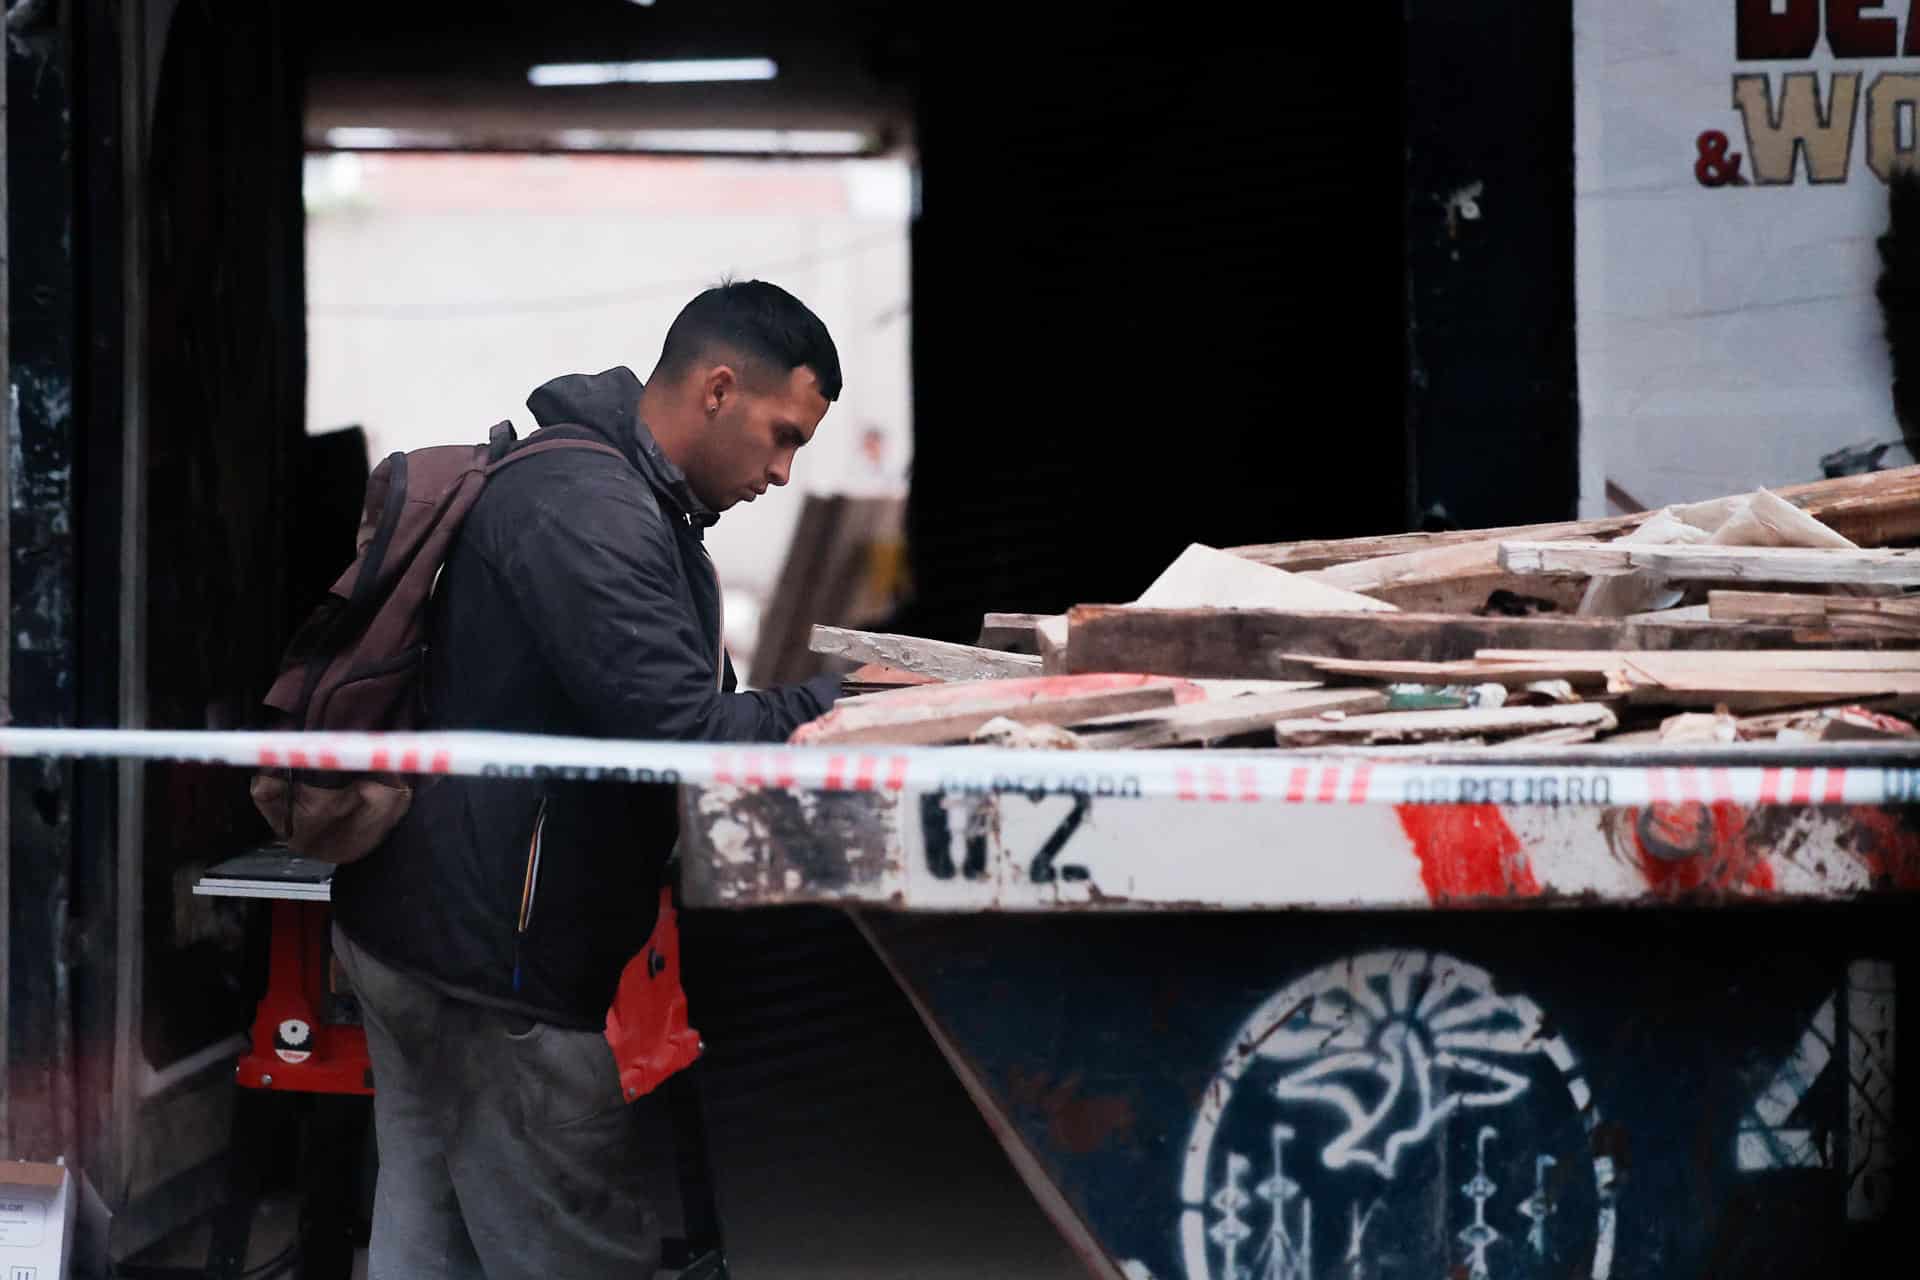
[[608, 404]]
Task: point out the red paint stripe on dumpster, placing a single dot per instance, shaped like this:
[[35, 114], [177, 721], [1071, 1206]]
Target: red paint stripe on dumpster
[[1249, 780], [1699, 847], [1296, 784], [897, 773], [1362, 775], [1329, 783], [1467, 851], [1803, 786], [1836, 786], [1769, 785]]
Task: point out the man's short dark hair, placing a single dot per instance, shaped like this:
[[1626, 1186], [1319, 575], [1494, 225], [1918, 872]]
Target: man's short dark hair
[[758, 321]]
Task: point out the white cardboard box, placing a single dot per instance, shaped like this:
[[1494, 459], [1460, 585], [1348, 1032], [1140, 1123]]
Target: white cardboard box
[[37, 1204]]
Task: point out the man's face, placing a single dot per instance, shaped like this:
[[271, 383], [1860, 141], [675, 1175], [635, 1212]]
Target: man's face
[[750, 439]]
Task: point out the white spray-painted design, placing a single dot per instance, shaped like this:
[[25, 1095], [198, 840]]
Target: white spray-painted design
[[1539, 1206], [1394, 1044], [1380, 1035], [1764, 1139], [1479, 1235], [1851, 1031], [1288, 1254]]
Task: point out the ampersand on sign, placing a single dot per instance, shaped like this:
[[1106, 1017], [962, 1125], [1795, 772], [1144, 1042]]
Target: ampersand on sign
[[1715, 167]]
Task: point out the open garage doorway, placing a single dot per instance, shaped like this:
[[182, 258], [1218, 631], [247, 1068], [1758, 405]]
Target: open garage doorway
[[443, 287]]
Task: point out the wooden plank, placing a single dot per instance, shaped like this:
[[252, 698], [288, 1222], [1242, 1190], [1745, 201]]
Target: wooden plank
[[1876, 509], [936, 658], [1760, 691], [1455, 578], [1895, 616], [1755, 661], [1432, 726], [1468, 671], [1880, 568], [826, 578], [1255, 643], [1202, 577], [1012, 632], [1207, 722], [1302, 557], [1686, 613], [950, 713]]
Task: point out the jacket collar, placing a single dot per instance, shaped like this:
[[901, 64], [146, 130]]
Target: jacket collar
[[667, 479], [608, 405]]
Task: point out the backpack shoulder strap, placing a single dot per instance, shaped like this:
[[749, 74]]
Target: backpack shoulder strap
[[534, 446]]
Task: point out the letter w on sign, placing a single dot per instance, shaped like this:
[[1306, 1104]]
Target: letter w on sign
[[1797, 125]]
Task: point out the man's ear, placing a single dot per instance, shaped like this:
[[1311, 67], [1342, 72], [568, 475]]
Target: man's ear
[[718, 388]]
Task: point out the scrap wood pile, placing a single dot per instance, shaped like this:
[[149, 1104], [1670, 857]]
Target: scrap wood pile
[[1777, 616]]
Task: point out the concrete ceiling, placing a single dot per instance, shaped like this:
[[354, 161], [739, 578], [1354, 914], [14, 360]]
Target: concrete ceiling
[[436, 72]]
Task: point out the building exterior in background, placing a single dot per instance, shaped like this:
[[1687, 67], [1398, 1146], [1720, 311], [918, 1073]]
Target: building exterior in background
[[1731, 167], [445, 287]]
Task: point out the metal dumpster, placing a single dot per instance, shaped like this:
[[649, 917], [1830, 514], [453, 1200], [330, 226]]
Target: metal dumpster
[[1543, 1034]]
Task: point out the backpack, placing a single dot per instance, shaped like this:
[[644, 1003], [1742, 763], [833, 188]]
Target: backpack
[[356, 662]]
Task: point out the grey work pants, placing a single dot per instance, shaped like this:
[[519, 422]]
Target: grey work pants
[[506, 1147]]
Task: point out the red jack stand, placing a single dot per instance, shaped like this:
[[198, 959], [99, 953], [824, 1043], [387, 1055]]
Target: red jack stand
[[295, 1047]]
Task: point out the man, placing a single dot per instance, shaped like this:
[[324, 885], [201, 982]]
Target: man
[[486, 940]]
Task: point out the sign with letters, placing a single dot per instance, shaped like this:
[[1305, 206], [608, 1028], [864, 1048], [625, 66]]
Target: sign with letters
[[1731, 162]]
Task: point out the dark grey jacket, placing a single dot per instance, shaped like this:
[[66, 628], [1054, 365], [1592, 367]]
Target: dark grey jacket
[[578, 600]]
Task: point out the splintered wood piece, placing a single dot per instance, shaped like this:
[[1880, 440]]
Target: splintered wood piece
[[1434, 726], [1256, 643], [935, 658], [1224, 718], [951, 712], [1716, 564]]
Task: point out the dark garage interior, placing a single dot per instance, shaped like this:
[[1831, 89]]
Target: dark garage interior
[[1170, 272]]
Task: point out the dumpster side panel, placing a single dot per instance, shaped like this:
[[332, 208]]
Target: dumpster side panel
[[1625, 1094], [1039, 851]]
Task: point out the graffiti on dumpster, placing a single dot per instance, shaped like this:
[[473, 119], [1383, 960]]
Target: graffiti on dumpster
[[1396, 1107], [1850, 1036]]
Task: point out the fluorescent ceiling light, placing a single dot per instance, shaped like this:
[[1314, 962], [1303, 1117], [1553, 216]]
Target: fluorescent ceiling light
[[806, 142], [370, 139], [676, 71]]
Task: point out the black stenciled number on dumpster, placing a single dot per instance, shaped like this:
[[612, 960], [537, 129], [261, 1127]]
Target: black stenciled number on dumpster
[[936, 826]]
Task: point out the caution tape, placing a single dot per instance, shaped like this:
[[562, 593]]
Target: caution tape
[[1206, 777]]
